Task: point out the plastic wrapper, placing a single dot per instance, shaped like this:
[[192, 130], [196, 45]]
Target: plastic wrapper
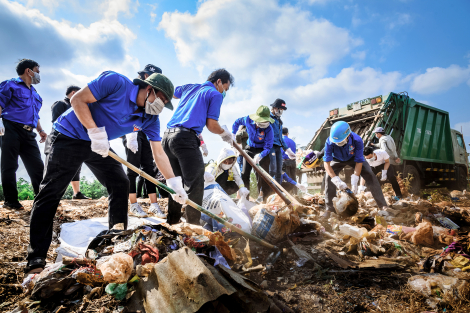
[[118, 268], [117, 290]]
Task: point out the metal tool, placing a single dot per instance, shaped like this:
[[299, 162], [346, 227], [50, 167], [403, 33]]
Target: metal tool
[[193, 204]]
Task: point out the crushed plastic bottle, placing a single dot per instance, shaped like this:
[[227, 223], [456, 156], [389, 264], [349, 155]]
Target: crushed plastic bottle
[[353, 231]]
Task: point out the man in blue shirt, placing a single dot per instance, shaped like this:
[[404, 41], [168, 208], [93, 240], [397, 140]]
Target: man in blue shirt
[[108, 108], [288, 163], [259, 143], [275, 155], [199, 106], [343, 148], [19, 109]]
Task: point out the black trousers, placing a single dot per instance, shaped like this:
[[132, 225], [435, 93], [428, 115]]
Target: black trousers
[[391, 176], [47, 150], [66, 156], [290, 168], [18, 142], [182, 149], [230, 187], [264, 163], [371, 182], [142, 159]]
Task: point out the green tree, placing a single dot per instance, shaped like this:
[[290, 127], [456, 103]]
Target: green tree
[[92, 189], [25, 190], [253, 186]]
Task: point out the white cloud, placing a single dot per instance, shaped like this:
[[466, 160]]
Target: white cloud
[[112, 8], [400, 20], [438, 79], [247, 34]]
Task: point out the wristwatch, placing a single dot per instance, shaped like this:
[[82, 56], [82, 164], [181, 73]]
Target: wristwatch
[[41, 131]]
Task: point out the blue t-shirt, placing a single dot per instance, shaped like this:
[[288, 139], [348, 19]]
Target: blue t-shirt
[[19, 103], [353, 149], [257, 137], [286, 178], [290, 144], [114, 109], [198, 103]]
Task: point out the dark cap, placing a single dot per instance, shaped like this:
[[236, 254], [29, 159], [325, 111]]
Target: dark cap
[[280, 104], [150, 69]]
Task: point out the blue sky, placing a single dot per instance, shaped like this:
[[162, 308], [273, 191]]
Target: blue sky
[[314, 54]]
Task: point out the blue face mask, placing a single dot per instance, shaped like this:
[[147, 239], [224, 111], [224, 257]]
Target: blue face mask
[[224, 94]]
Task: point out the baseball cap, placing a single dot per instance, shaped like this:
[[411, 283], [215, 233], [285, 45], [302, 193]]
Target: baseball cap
[[379, 130], [150, 69]]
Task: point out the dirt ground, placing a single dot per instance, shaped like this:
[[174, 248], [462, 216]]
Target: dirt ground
[[300, 288]]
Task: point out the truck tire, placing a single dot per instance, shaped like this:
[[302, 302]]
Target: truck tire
[[461, 179], [415, 182]]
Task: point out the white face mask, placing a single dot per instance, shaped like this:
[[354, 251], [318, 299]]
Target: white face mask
[[263, 124], [279, 112], [156, 107], [36, 78], [373, 158], [342, 143], [226, 166]]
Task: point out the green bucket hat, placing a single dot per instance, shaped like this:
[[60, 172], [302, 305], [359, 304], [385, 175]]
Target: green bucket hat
[[262, 115], [159, 82]]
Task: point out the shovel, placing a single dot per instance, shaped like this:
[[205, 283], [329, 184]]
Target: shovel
[[192, 203]]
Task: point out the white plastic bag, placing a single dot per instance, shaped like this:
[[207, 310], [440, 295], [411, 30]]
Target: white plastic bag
[[118, 268], [219, 203]]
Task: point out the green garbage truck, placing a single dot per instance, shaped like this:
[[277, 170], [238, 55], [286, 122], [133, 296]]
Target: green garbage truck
[[430, 151]]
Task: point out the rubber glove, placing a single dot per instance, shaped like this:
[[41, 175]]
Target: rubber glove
[[176, 183], [131, 142], [361, 189], [290, 154], [341, 185], [226, 135], [208, 177], [205, 152], [302, 187], [244, 192], [354, 183], [99, 141], [384, 175], [257, 158], [2, 128]]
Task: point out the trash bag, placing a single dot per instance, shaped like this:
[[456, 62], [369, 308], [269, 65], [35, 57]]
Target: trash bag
[[118, 268], [273, 226], [345, 204], [219, 203]]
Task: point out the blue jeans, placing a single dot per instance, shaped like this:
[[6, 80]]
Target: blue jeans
[[275, 165], [240, 163]]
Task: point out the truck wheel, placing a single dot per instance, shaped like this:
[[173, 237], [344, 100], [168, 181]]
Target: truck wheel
[[415, 182], [461, 182]]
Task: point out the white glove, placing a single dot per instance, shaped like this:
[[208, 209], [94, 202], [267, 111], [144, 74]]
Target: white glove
[[208, 177], [2, 128], [176, 183], [384, 175], [341, 185], [361, 189], [290, 154], [244, 192], [99, 141], [205, 152], [302, 187], [354, 183], [226, 135], [257, 158], [131, 142]]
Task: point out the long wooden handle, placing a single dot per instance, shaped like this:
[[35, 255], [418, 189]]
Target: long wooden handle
[[267, 178], [192, 203], [278, 185]]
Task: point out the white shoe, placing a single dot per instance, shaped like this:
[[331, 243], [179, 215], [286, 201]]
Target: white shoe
[[155, 209], [136, 210]]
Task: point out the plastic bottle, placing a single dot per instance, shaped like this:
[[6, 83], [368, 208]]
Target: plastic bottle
[[353, 231]]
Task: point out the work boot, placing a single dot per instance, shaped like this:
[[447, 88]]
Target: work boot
[[157, 210], [13, 206], [79, 196], [136, 210]]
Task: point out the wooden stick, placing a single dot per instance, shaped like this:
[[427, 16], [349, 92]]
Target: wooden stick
[[80, 261], [267, 178], [192, 203]]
